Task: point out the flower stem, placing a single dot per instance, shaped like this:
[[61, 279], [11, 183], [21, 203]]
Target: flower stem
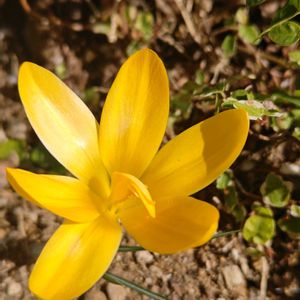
[[224, 233], [130, 248], [119, 280], [218, 103]]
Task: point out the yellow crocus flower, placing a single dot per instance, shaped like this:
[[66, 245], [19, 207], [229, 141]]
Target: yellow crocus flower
[[120, 176]]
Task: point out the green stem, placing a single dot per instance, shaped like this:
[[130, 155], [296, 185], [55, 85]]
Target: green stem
[[218, 104], [278, 24], [130, 248], [225, 233], [119, 280]]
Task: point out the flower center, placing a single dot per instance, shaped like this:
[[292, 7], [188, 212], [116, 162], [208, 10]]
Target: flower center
[[124, 185]]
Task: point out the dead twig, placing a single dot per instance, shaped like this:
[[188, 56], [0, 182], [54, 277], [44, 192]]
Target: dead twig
[[53, 20], [224, 61], [275, 137], [189, 22], [257, 53], [27, 8], [246, 193], [264, 278]]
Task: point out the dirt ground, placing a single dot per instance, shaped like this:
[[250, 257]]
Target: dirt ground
[[62, 36]]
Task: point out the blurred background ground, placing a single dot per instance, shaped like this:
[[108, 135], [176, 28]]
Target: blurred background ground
[[84, 43]]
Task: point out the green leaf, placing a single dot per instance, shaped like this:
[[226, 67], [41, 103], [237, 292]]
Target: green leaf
[[296, 133], [260, 227], [275, 191], [291, 226], [239, 94], [187, 91], [242, 15], [224, 180], [144, 23], [91, 94], [10, 146], [250, 95], [283, 98], [61, 70], [295, 210], [254, 2], [294, 56], [283, 122], [288, 11], [283, 16], [254, 252], [181, 106], [181, 103], [295, 3], [229, 45], [102, 27], [285, 34], [254, 108], [199, 77], [209, 91], [133, 47], [239, 212], [295, 113], [231, 198], [42, 158], [250, 34]]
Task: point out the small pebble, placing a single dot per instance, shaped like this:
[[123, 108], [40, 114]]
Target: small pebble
[[14, 289], [95, 294], [144, 257], [116, 292], [234, 278]]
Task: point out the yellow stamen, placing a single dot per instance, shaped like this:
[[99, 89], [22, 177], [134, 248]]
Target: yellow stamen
[[124, 185]]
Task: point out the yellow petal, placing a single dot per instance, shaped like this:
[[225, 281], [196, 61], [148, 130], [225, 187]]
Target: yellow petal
[[74, 258], [64, 196], [196, 157], [123, 185], [62, 122], [180, 223], [135, 114]]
